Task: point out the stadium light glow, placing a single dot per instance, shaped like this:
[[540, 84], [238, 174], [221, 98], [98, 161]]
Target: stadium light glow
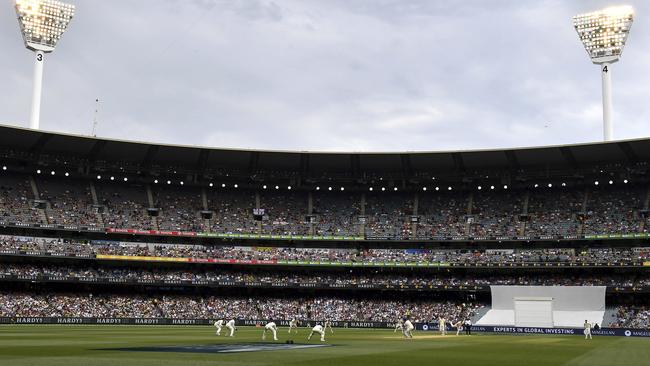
[[53, 172], [126, 179], [67, 174], [318, 188], [42, 23], [211, 184], [625, 181], [155, 181], [424, 188], [5, 168], [603, 34], [236, 186]]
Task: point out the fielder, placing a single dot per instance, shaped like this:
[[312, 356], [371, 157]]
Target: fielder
[[270, 326], [442, 326], [293, 324], [399, 325], [408, 329], [328, 324], [218, 324], [318, 329], [231, 326], [587, 330]]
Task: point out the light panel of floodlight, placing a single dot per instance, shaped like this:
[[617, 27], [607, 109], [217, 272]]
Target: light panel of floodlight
[[42, 22], [604, 32]]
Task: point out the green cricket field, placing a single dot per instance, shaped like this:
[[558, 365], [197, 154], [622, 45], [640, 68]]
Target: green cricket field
[[68, 345]]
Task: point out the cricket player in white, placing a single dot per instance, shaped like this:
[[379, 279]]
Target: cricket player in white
[[459, 326], [270, 326], [442, 326], [328, 324], [318, 329], [399, 325], [587, 330], [408, 329], [231, 326], [218, 324], [293, 324]]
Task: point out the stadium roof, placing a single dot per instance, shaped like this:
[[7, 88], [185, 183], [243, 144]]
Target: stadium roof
[[93, 149]]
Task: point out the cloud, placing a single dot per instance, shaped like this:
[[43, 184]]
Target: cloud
[[329, 75]]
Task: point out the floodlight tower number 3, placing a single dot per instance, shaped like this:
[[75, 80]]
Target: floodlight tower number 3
[[42, 23]]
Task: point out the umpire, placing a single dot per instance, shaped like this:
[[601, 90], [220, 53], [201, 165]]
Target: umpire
[[468, 326]]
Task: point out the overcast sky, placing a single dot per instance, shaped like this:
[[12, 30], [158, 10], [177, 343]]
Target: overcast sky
[[353, 75]]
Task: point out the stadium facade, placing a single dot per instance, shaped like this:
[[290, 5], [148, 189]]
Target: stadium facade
[[91, 225]]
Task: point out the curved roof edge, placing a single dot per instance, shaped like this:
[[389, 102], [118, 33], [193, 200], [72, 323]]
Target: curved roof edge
[[19, 138]]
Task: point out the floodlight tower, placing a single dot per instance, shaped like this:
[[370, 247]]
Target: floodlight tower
[[603, 33], [42, 23]]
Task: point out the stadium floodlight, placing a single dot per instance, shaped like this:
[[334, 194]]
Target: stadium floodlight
[[42, 23], [603, 33]]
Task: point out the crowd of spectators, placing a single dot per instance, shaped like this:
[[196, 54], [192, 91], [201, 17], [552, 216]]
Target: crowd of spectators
[[554, 217], [594, 256], [232, 212], [496, 214], [325, 278], [284, 213], [336, 214], [17, 202], [17, 304], [124, 206], [535, 212], [389, 218], [442, 215], [608, 211], [69, 203], [178, 211], [629, 316]]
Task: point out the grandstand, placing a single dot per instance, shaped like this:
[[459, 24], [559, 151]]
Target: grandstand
[[94, 228]]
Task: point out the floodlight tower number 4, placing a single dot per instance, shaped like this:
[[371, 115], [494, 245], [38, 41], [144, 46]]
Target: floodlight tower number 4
[[603, 33]]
